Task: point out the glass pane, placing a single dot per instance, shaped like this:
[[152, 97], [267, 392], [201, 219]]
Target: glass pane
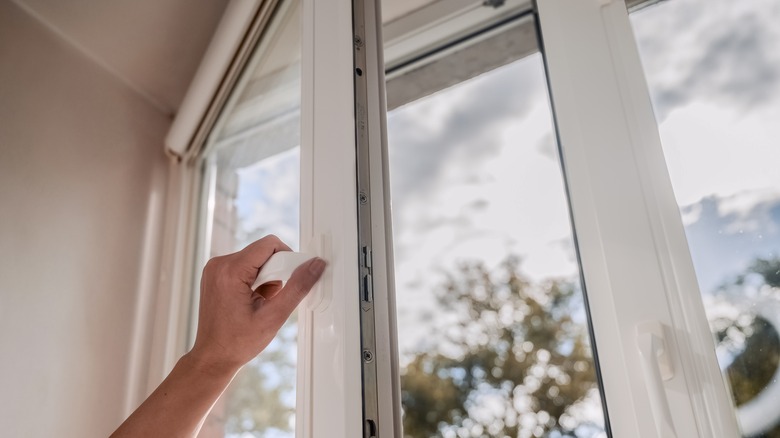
[[713, 68], [253, 164], [493, 333]]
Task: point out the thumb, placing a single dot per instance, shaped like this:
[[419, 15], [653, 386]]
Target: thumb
[[298, 286]]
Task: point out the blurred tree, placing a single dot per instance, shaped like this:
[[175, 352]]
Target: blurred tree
[[768, 269], [261, 398], [512, 363], [752, 370], [757, 341]]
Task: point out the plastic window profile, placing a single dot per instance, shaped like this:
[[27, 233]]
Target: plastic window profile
[[635, 260]]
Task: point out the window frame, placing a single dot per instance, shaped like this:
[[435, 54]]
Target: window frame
[[620, 142], [695, 401], [329, 384], [329, 367]]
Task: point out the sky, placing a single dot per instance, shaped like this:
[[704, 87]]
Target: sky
[[473, 162], [276, 208], [475, 175], [482, 188], [715, 87]]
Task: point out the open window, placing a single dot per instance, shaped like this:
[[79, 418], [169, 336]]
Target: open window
[[493, 331], [716, 96], [250, 187], [531, 276]]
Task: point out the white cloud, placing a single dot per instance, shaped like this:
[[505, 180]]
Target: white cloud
[[723, 52], [488, 190], [716, 150], [714, 72], [268, 198]]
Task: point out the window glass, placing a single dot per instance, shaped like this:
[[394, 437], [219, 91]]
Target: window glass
[[252, 189], [493, 332], [713, 68]]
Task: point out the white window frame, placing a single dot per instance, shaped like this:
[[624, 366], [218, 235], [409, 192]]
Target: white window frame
[[634, 255], [329, 369], [330, 358], [632, 245]]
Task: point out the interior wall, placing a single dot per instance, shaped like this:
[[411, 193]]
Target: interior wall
[[81, 170]]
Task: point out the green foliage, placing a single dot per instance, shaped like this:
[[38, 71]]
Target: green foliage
[[759, 358], [752, 370], [513, 346], [768, 269]]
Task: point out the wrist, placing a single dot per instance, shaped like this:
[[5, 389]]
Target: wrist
[[206, 364]]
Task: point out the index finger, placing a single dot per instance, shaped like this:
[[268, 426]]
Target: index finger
[[258, 252]]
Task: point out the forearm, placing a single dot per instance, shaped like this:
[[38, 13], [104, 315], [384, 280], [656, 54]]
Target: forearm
[[181, 402]]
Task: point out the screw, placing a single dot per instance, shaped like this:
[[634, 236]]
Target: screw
[[363, 198], [358, 41], [368, 356]]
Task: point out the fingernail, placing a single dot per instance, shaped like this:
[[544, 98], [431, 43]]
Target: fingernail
[[317, 266]]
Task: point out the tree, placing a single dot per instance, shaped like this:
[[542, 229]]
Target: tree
[[768, 269], [260, 401], [513, 363], [755, 342]]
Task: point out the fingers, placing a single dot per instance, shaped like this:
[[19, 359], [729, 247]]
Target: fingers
[[258, 252], [246, 263], [270, 289], [298, 286]]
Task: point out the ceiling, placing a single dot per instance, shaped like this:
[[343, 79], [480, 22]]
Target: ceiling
[[153, 46]]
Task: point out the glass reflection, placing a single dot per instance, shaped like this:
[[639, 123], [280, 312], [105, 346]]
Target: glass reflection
[[713, 67], [492, 330], [254, 172], [250, 202]]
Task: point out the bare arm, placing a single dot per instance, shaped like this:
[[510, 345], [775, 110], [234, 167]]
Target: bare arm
[[234, 325]]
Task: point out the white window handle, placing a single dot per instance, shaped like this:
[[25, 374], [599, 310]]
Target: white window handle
[[280, 267], [657, 368]]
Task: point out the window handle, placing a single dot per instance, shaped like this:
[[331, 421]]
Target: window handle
[[319, 297], [657, 368], [280, 267]]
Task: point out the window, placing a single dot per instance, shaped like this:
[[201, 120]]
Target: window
[[535, 220], [260, 163], [714, 74], [656, 354], [493, 333], [251, 188]]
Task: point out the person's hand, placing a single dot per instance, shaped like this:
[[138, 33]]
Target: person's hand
[[236, 323]]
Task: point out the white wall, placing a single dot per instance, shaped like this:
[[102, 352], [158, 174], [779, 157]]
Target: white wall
[[80, 164]]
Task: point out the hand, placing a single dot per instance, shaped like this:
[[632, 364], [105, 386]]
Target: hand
[[236, 323]]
